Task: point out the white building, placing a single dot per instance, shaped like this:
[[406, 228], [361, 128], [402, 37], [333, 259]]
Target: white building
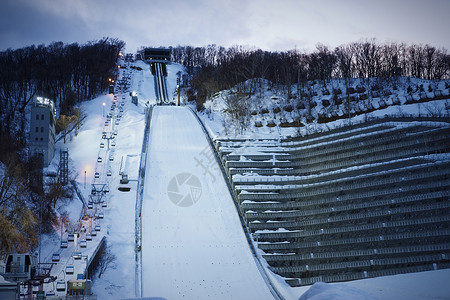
[[42, 129]]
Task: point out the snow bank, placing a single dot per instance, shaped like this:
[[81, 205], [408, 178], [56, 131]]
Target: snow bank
[[326, 291]]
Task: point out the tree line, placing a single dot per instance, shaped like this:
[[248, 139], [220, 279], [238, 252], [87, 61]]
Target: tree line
[[215, 68], [68, 74]]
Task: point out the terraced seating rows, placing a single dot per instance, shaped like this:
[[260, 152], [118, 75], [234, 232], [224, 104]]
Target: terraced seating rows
[[314, 240], [363, 201], [357, 156], [339, 189], [347, 218], [360, 171], [380, 252], [288, 201], [400, 177], [288, 214]]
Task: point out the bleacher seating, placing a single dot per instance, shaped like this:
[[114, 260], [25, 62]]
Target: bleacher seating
[[360, 201]]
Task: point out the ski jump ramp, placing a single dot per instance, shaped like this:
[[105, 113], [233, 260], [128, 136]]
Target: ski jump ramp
[[193, 244]]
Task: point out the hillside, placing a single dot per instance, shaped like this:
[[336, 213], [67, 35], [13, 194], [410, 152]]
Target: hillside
[[267, 114], [341, 185], [316, 107]]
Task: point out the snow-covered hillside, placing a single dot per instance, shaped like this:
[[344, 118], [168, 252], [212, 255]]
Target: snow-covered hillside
[[316, 106], [206, 236]]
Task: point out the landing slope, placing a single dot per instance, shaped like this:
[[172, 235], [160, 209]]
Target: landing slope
[[193, 244]]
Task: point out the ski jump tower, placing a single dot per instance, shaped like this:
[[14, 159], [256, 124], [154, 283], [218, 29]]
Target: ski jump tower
[[158, 58]]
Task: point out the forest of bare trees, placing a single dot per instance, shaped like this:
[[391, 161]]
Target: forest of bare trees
[[67, 74], [215, 68]]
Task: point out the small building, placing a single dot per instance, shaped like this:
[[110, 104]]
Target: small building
[[150, 55], [18, 267], [42, 129], [79, 287]]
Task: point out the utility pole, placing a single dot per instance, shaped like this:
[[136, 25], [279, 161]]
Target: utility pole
[[178, 90]]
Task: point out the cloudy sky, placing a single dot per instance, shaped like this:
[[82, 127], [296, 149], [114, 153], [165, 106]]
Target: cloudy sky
[[266, 24]]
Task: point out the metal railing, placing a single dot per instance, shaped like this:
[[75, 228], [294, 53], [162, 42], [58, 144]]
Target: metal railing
[[138, 208]]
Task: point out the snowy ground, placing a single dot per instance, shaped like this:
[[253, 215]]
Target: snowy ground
[[193, 243], [415, 286], [199, 250]]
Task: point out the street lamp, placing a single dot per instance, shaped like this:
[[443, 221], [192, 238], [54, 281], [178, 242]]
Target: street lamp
[[104, 104]]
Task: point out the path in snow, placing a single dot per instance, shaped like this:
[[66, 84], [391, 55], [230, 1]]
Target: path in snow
[[193, 245]]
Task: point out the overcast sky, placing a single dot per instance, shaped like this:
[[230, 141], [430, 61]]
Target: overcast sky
[[267, 24]]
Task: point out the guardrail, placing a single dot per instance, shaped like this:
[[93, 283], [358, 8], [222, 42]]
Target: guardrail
[[138, 208]]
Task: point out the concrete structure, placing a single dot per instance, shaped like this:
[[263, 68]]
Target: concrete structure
[[360, 201], [8, 290], [42, 129], [150, 55]]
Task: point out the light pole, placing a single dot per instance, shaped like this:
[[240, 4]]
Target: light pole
[[104, 104], [178, 89], [84, 179]]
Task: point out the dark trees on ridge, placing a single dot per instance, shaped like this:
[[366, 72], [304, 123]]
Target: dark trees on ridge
[[215, 68]]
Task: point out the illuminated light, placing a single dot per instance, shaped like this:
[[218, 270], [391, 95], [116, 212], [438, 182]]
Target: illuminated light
[[88, 170], [104, 103]]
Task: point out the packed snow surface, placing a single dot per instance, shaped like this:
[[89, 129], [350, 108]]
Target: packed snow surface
[[193, 243]]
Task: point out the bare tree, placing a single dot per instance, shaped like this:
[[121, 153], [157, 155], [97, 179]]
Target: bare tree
[[108, 260], [344, 56], [238, 109], [416, 60]]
